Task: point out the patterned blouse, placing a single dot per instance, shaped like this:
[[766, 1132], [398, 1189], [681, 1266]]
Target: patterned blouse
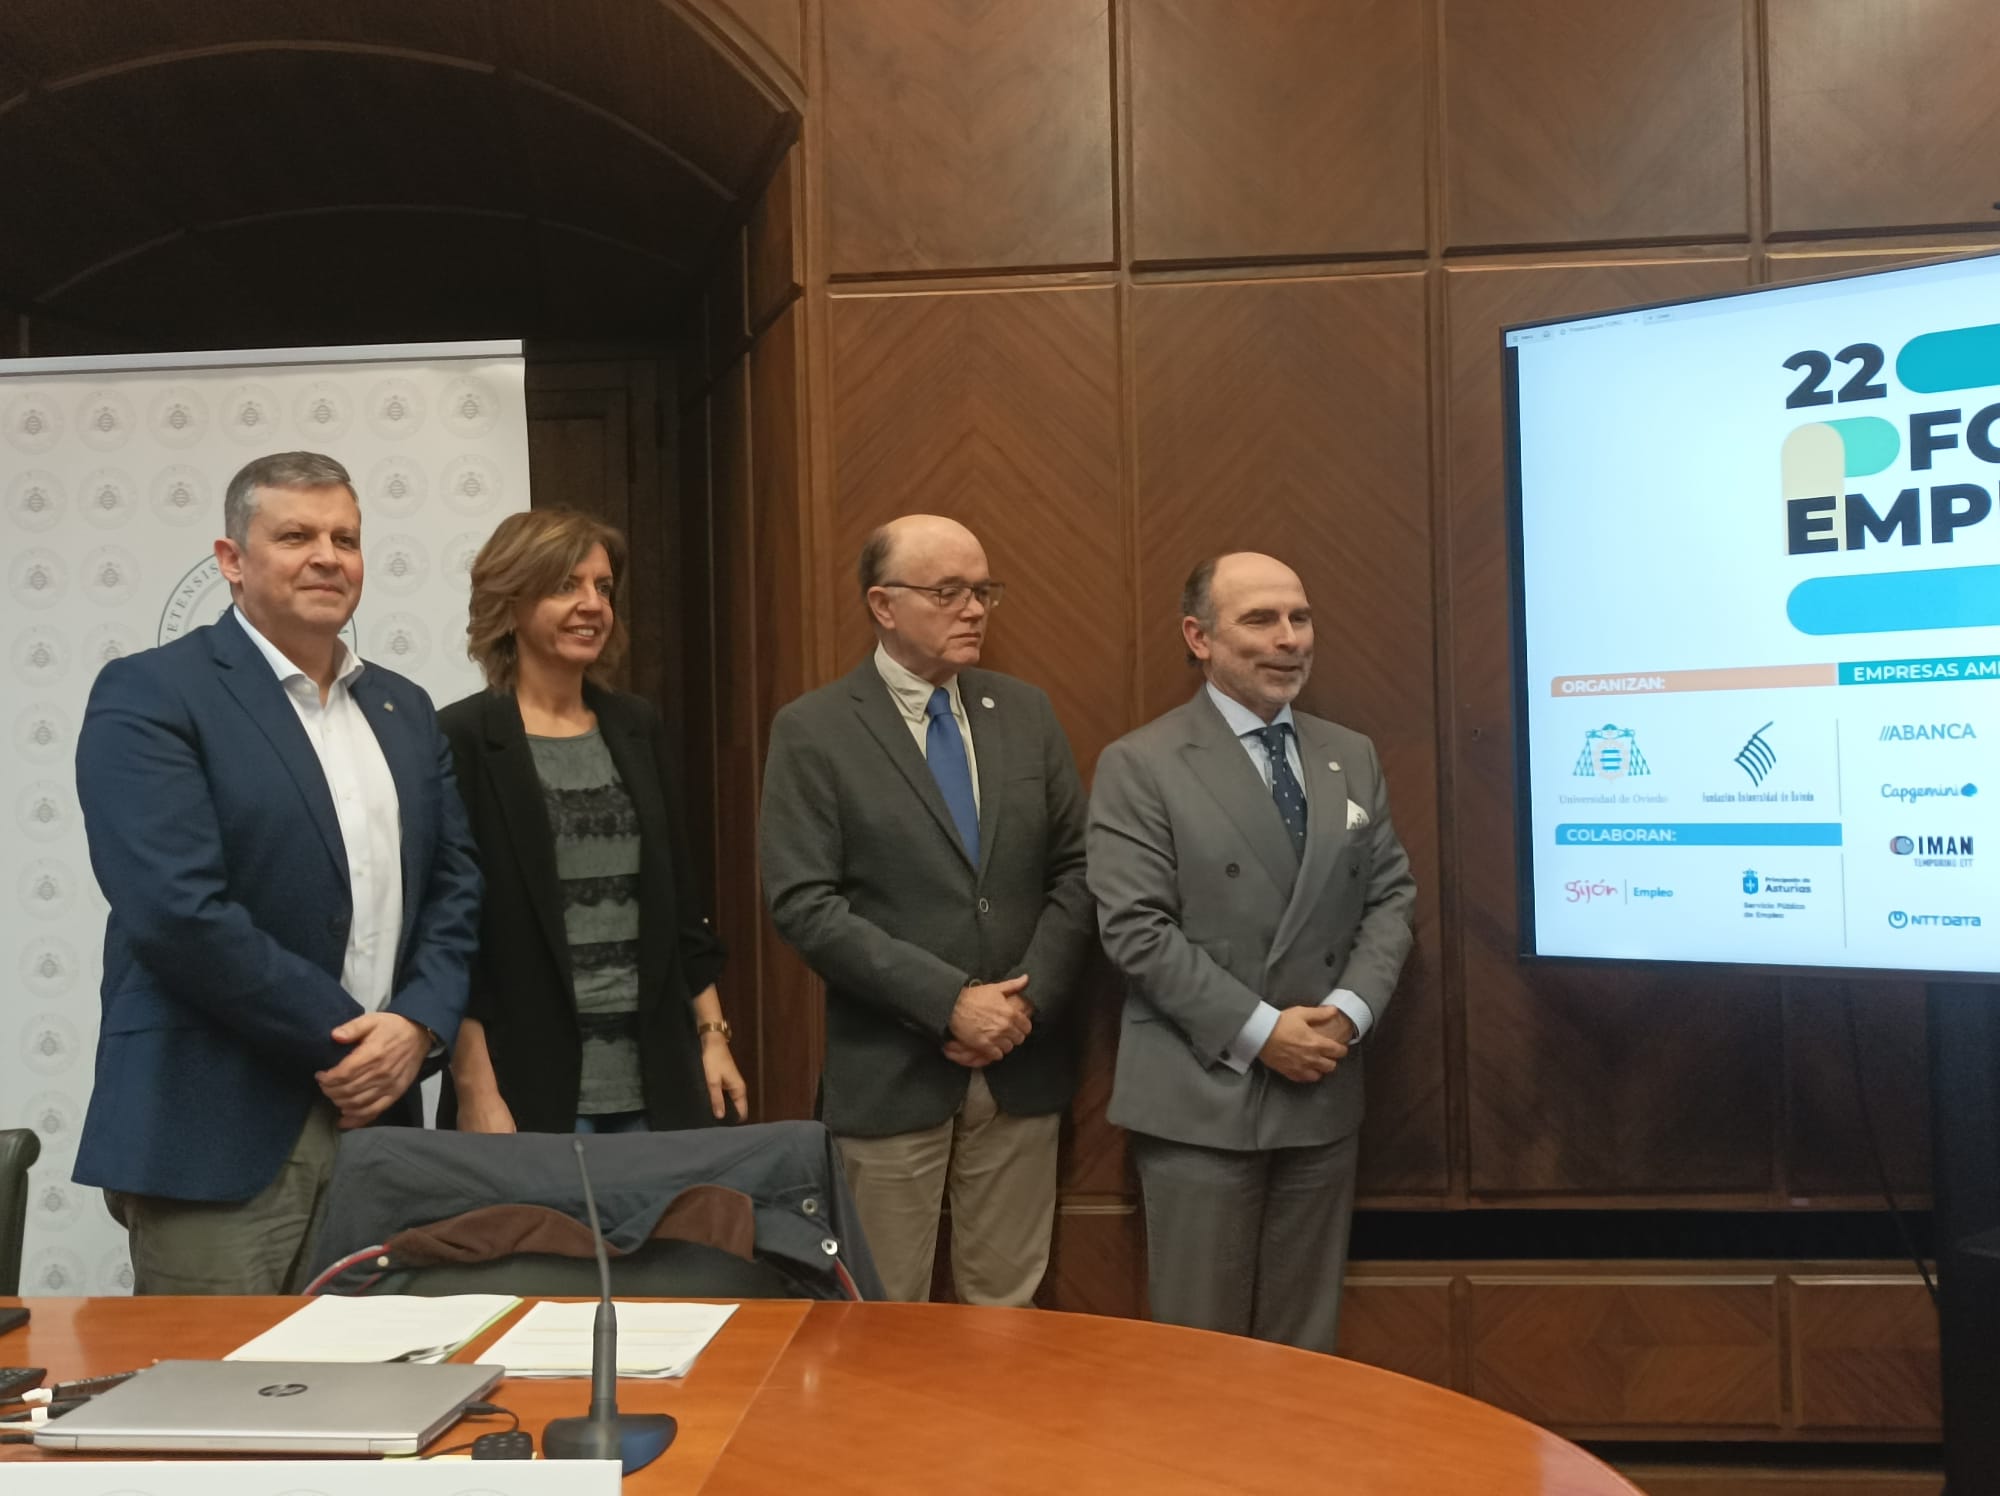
[[597, 860]]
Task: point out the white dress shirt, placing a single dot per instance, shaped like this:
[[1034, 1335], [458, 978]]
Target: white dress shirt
[[366, 805], [1246, 724], [912, 694]]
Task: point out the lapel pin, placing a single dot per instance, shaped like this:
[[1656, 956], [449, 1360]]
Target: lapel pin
[[987, 702], [388, 706], [1333, 766]]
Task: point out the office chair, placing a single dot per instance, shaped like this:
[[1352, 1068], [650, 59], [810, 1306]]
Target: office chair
[[19, 1148]]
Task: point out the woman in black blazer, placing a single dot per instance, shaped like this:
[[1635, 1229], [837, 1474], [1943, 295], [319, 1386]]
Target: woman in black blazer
[[593, 1004]]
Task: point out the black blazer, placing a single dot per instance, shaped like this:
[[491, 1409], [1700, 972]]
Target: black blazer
[[521, 986]]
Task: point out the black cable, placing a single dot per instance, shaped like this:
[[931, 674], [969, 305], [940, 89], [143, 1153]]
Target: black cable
[[481, 1410], [55, 1409], [1875, 1143]]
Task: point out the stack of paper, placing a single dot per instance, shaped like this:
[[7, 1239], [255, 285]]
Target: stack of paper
[[391, 1327], [654, 1339]]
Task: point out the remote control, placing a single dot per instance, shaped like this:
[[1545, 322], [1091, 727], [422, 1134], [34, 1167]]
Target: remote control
[[14, 1380], [517, 1444]]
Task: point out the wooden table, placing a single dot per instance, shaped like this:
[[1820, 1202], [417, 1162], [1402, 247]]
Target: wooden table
[[936, 1398]]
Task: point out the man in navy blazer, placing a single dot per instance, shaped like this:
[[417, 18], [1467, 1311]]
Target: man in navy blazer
[[294, 899]]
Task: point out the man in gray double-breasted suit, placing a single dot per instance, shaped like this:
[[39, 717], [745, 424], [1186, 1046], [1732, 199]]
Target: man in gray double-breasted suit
[[922, 843], [1251, 889]]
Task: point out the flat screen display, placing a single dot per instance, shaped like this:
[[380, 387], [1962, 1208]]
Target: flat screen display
[[1757, 625]]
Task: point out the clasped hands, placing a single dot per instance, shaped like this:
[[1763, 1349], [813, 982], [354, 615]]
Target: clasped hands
[[1307, 1043], [388, 1051], [989, 1020]]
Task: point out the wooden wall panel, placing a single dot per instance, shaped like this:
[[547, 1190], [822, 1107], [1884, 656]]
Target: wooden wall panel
[[779, 25], [1094, 1160], [965, 135], [1865, 1355], [1401, 1324], [1285, 128], [1883, 114], [1605, 1353], [999, 409], [794, 1016], [776, 262], [56, 39], [580, 445], [593, 447], [727, 303], [739, 900], [1827, 1149], [695, 568], [1602, 1080], [1573, 121], [1092, 1261], [1290, 416], [1721, 1476], [1794, 262], [616, 55]]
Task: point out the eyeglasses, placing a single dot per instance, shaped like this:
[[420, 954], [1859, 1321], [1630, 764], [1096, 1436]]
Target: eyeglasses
[[953, 594]]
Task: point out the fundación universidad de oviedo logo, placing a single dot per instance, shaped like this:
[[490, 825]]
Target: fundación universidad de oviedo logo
[[1841, 495]]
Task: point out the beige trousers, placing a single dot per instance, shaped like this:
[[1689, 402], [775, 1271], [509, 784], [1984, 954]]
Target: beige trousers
[[1002, 1174]]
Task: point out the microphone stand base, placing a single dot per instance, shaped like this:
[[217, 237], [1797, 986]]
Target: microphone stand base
[[635, 1440]]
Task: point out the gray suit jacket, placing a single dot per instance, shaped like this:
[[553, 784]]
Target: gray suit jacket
[[1204, 909], [867, 879]]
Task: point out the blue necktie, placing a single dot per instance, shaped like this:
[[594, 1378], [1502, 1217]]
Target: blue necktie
[[945, 750], [1285, 790]]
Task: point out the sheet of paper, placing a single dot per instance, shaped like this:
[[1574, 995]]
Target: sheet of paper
[[390, 1327], [654, 1339]]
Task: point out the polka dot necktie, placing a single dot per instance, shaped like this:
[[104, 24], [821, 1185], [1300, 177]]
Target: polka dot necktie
[[1285, 789]]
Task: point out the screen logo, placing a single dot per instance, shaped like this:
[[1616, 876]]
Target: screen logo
[[1750, 883], [1611, 752], [1910, 794], [1757, 757], [1820, 461], [1898, 920], [1926, 732], [1934, 851], [1591, 890]]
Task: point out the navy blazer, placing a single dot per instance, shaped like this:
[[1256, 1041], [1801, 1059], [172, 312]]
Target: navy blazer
[[213, 836]]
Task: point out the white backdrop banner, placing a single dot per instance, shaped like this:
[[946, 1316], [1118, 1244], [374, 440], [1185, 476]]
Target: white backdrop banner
[[112, 474]]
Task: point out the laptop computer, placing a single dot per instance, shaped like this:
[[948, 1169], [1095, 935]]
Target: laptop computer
[[273, 1407]]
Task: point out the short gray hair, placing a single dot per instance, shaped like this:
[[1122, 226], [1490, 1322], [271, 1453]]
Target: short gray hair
[[278, 470]]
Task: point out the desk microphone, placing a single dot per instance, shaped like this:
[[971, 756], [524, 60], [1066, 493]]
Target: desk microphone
[[635, 1440]]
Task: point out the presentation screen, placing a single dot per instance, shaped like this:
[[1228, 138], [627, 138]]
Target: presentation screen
[[1757, 625]]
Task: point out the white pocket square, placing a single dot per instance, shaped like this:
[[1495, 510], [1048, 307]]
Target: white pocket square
[[1356, 816]]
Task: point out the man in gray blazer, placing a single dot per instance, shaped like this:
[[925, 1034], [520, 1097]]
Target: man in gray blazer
[[922, 844], [1251, 888]]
